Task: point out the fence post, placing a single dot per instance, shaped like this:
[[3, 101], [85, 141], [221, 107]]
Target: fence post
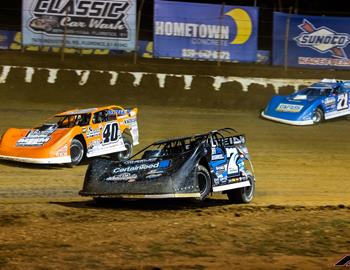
[[220, 33], [286, 37], [22, 47], [64, 36], [137, 34]]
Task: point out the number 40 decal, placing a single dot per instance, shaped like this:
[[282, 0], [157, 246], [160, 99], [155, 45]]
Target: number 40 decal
[[110, 133], [343, 101]]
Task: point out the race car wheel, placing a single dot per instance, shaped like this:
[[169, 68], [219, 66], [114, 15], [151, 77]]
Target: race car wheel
[[317, 117], [125, 155], [204, 182], [243, 195], [76, 152]]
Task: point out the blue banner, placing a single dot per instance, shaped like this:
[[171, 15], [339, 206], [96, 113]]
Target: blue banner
[[6, 38], [100, 24], [205, 31], [313, 41]]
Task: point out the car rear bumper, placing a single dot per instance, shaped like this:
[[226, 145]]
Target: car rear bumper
[[285, 121]]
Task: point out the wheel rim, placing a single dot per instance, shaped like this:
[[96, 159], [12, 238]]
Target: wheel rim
[[202, 182], [316, 117], [126, 154], [76, 153], [248, 191]]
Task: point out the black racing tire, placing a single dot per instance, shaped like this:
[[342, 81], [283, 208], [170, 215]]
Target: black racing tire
[[125, 155], [317, 116], [243, 195], [204, 182], [77, 152]]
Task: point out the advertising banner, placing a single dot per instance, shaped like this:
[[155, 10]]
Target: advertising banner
[[205, 31], [6, 38], [313, 41], [103, 24]]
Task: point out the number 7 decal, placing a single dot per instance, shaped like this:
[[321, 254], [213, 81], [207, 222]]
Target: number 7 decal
[[232, 167]]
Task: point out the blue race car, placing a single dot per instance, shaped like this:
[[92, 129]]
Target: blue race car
[[192, 166], [321, 101]]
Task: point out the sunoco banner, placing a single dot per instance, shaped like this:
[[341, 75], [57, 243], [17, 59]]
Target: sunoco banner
[[313, 41], [104, 24], [205, 31]]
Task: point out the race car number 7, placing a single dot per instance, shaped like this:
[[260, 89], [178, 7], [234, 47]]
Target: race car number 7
[[110, 133], [232, 167], [343, 101]]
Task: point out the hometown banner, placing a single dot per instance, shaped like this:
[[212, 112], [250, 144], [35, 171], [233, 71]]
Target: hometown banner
[[313, 41], [205, 31], [99, 24]]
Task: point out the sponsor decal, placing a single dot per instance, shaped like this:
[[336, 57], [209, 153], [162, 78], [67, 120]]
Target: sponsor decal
[[63, 151], [140, 161], [90, 132], [209, 32], [293, 108], [217, 157], [220, 169], [125, 177], [88, 24], [82, 17], [323, 39], [37, 137], [142, 167], [329, 101], [232, 140], [152, 176], [130, 120], [94, 144]]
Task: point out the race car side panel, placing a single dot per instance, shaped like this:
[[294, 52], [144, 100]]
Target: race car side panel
[[336, 106], [103, 138], [148, 177]]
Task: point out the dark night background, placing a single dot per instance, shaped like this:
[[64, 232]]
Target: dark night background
[[10, 14]]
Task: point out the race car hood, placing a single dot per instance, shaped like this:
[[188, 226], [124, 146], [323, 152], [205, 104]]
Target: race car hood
[[166, 175], [295, 107], [40, 142]]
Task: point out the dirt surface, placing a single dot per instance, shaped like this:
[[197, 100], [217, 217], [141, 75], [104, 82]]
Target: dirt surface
[[299, 219]]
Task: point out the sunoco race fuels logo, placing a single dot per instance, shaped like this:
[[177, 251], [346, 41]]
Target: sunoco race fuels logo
[[99, 18], [322, 39]]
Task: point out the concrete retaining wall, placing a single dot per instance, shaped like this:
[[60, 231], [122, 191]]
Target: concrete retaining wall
[[140, 88]]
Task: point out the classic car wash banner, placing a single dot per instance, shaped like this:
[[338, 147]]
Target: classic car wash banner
[[313, 41], [205, 31], [103, 24]]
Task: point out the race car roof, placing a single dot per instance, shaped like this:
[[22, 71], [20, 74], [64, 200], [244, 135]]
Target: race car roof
[[88, 110], [195, 135], [324, 85]]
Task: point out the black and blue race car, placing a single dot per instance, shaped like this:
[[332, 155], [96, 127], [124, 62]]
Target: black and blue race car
[[321, 101], [192, 166]]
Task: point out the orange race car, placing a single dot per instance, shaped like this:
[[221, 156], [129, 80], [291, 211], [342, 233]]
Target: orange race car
[[70, 136]]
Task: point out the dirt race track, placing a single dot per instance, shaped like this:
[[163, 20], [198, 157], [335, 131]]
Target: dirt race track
[[300, 218]]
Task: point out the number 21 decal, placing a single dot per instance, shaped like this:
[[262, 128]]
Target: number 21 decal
[[110, 133], [342, 102]]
